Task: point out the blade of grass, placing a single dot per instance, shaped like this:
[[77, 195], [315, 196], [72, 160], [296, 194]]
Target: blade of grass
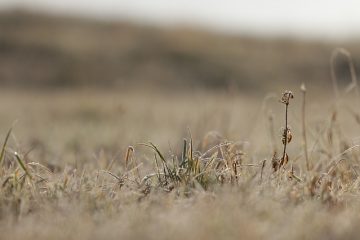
[[21, 163], [2, 154], [152, 146]]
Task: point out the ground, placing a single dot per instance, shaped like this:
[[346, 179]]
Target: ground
[[96, 164]]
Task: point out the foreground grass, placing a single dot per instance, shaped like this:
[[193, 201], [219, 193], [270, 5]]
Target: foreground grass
[[206, 187]]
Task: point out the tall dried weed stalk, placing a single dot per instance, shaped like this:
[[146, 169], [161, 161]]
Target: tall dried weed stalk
[[286, 133]]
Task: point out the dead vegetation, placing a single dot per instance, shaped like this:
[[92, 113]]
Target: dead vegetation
[[80, 167], [202, 189]]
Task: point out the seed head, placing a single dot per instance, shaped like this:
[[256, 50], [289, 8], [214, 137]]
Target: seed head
[[303, 87], [287, 95]]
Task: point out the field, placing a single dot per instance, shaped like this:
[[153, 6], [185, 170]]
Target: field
[[79, 182], [214, 160]]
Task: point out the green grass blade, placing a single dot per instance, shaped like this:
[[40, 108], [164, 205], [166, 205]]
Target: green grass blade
[[152, 146], [2, 154], [184, 151], [21, 163]]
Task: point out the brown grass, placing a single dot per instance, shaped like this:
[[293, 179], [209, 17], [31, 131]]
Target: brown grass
[[170, 163], [70, 179]]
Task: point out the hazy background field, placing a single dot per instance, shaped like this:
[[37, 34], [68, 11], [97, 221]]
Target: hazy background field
[[76, 82], [41, 51], [81, 81]]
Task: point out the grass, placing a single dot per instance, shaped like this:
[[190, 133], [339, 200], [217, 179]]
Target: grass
[[161, 162], [62, 176]]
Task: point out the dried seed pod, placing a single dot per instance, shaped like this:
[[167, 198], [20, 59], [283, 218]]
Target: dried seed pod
[[289, 135], [287, 95], [275, 165], [275, 162], [284, 160], [286, 136]]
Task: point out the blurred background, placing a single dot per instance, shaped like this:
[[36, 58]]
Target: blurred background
[[178, 44], [83, 76]]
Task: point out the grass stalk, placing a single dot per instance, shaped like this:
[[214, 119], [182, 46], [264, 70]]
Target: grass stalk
[[2, 154], [303, 118], [22, 165]]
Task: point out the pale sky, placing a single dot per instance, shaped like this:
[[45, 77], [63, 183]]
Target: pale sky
[[317, 18]]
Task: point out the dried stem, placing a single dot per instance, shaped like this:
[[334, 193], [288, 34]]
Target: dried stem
[[286, 137], [285, 130], [303, 89]]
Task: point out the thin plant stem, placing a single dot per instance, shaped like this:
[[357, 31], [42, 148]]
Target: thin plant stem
[[285, 130], [303, 89]]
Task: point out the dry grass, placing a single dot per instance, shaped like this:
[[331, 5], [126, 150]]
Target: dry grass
[[175, 162], [74, 175]]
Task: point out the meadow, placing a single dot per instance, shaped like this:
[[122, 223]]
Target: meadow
[[258, 159], [130, 165]]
